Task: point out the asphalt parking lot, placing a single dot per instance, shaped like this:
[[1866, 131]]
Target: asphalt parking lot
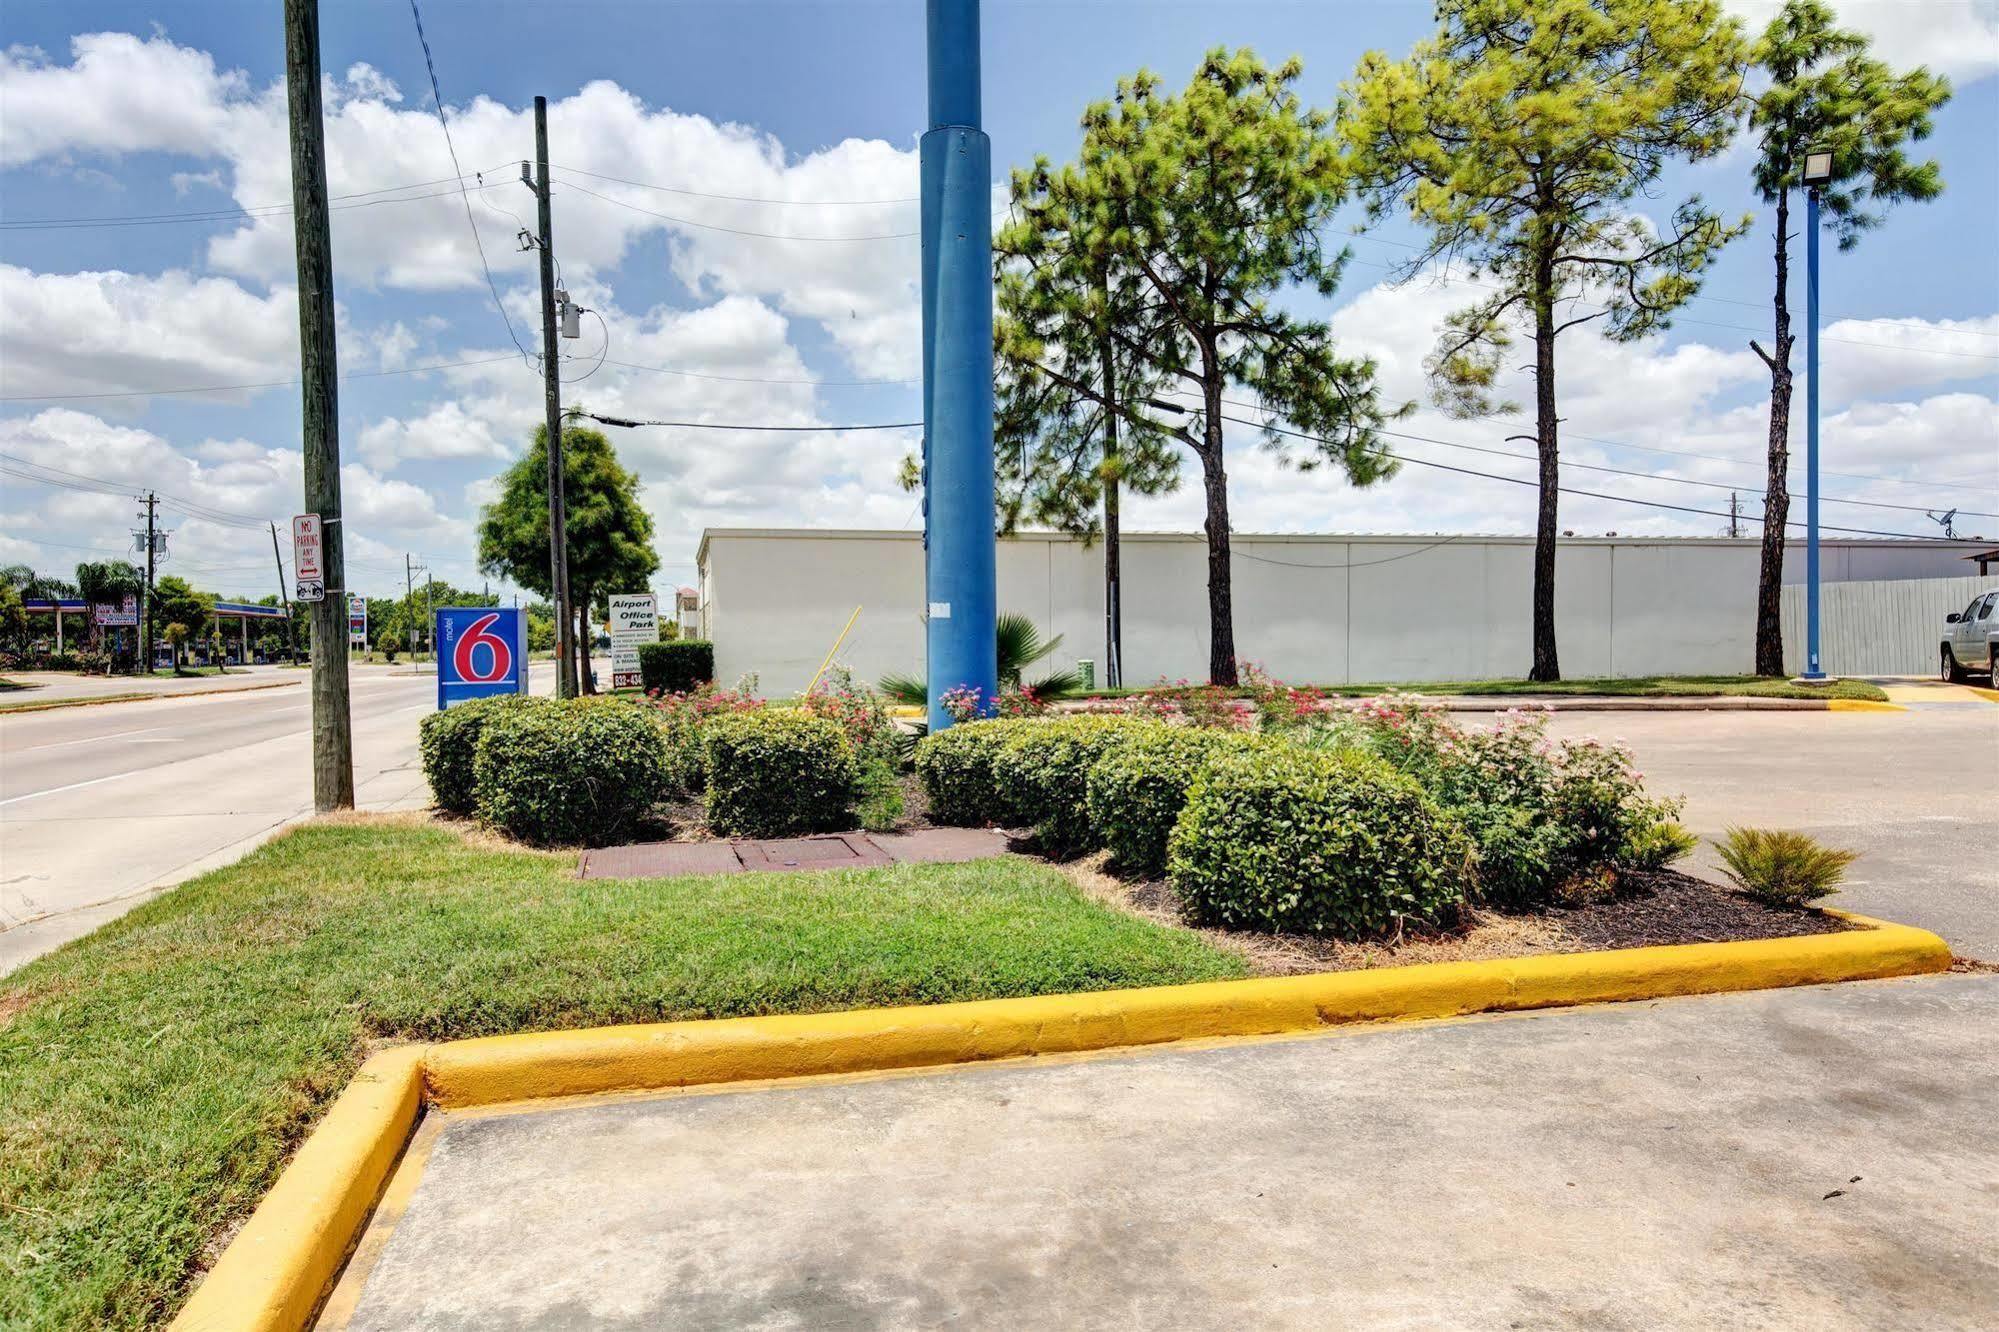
[[1916, 792]]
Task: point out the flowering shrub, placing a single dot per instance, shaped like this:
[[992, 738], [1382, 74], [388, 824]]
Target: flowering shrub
[[966, 703], [1552, 819], [680, 718], [963, 703], [862, 714]]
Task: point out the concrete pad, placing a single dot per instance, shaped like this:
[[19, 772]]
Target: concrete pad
[[831, 851], [942, 846], [659, 860], [1819, 1157]]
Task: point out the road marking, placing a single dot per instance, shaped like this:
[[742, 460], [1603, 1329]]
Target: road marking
[[73, 786], [91, 739]]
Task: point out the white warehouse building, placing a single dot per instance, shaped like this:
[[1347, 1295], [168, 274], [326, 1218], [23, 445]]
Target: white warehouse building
[[1323, 609]]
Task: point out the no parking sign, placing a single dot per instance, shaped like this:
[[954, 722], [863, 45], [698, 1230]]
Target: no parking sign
[[481, 651]]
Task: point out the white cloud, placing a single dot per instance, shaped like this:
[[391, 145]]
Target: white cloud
[[258, 483], [120, 94], [446, 431], [863, 291], [107, 332], [1959, 38]]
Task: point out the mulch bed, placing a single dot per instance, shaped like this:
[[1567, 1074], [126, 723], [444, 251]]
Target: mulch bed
[[1659, 907], [1668, 907]]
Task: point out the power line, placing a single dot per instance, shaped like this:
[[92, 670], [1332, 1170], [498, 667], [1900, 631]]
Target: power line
[[240, 388], [712, 425], [253, 214], [739, 198], [437, 99], [736, 231], [761, 379], [1234, 553], [1938, 484], [1726, 300], [1448, 281], [1569, 490], [1658, 476]]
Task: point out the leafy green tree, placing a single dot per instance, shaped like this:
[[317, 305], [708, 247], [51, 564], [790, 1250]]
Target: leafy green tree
[[1200, 210], [1825, 92], [1521, 136], [13, 615], [610, 533], [1067, 443], [176, 602]]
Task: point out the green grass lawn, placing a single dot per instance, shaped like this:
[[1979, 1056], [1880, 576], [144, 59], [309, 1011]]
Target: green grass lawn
[[1643, 686], [155, 1076]]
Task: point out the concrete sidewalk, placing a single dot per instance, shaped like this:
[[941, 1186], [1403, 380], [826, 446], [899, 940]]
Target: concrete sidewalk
[[1804, 1158]]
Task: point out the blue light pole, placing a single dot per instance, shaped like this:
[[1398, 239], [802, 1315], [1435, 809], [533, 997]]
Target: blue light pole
[[958, 540], [1818, 170]]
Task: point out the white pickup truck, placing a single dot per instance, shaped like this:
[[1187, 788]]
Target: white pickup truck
[[1971, 639]]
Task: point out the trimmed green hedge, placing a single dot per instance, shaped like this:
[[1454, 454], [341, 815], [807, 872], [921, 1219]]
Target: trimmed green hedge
[[677, 666], [1136, 791], [583, 770], [1280, 837], [449, 742], [955, 769], [1042, 772], [777, 772]]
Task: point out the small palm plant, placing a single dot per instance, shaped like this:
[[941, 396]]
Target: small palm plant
[[1020, 645], [1781, 868]]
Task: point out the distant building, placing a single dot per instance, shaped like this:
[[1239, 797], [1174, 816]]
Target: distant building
[[1325, 609]]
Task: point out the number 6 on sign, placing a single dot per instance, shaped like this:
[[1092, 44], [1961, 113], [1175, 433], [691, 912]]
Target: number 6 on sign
[[482, 651]]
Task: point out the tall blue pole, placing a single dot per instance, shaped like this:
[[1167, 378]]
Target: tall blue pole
[[1813, 670], [957, 366]]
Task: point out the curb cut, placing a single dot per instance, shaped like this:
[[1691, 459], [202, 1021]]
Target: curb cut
[[276, 1271]]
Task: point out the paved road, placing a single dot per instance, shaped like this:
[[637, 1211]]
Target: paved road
[[1916, 792], [100, 806], [1816, 1158], [48, 686]]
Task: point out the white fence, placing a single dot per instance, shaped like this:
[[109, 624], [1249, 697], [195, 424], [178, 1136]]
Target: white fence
[[1870, 628], [1323, 609]]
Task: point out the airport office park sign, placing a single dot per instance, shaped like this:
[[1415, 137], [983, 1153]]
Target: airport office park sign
[[634, 620]]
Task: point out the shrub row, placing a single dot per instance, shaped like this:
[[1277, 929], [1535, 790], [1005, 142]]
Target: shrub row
[[1352, 826], [777, 773], [1280, 837], [677, 666], [589, 770]]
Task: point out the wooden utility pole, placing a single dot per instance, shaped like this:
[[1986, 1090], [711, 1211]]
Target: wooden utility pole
[[332, 725], [284, 599], [551, 369], [152, 546]]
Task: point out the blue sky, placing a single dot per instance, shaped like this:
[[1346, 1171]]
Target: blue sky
[[115, 110]]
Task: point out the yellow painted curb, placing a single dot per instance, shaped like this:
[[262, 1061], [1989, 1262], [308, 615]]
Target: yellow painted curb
[[1861, 705], [275, 1272]]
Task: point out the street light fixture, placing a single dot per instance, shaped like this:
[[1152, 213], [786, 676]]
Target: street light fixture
[[1817, 172]]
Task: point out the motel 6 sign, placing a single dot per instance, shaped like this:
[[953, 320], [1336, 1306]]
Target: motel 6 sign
[[481, 651]]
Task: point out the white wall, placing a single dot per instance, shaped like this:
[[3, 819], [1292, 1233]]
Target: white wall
[[1323, 609], [1878, 627]]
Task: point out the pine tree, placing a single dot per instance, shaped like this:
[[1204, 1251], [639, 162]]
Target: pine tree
[[1825, 93], [1520, 136]]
